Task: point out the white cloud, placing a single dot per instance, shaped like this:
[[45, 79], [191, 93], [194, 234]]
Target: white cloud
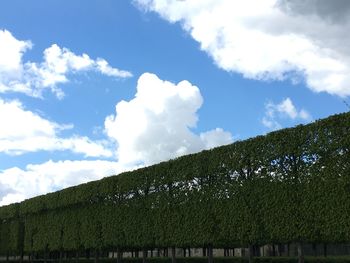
[[33, 78], [269, 39], [156, 124], [11, 52], [25, 131], [287, 107], [19, 184], [283, 110], [216, 137], [103, 67]]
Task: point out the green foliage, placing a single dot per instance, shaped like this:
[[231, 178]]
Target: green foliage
[[290, 185], [11, 229]]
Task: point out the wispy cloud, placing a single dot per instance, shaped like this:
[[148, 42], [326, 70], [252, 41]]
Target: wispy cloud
[[24, 131], [283, 110], [32, 78], [19, 184]]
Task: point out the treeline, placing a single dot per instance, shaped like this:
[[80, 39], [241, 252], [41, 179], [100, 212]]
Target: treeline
[[290, 186]]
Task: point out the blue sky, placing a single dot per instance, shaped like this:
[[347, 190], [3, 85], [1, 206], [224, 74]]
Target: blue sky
[[186, 76]]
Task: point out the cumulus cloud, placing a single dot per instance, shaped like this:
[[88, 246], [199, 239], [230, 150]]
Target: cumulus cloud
[[11, 52], [156, 124], [32, 78], [270, 40], [283, 110], [336, 11], [19, 184], [25, 131], [4, 191]]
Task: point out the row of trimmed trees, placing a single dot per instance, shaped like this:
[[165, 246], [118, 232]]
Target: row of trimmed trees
[[290, 186]]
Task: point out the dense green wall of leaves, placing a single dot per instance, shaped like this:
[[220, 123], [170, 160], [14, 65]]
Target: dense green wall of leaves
[[292, 185]]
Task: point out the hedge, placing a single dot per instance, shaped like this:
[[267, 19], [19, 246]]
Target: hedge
[[291, 185]]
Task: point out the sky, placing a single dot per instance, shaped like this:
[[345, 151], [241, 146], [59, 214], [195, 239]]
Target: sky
[[90, 89]]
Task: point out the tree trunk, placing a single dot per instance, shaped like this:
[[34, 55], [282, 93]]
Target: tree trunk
[[300, 252], [250, 253], [60, 256], [210, 254], [256, 252], [76, 256], [45, 255], [96, 256], [279, 250], [173, 255], [325, 249], [144, 256], [314, 249], [119, 255], [288, 248], [7, 257]]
